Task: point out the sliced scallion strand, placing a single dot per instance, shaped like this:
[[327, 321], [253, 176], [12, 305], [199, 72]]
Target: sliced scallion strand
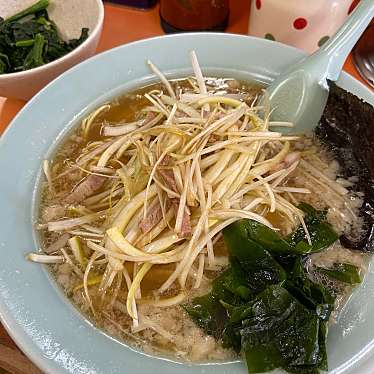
[[77, 250]]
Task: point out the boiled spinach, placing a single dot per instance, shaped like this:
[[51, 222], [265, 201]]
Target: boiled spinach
[[30, 39]]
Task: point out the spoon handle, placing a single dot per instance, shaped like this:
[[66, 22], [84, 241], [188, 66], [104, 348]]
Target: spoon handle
[[337, 48]]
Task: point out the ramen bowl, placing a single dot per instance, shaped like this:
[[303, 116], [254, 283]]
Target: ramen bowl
[[35, 312]]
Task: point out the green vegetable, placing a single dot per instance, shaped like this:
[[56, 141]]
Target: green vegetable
[[26, 43], [312, 214], [208, 313], [346, 273], [265, 305], [231, 285], [266, 237], [39, 6], [321, 233], [279, 332], [259, 267], [35, 56], [4, 63], [322, 340], [314, 296]]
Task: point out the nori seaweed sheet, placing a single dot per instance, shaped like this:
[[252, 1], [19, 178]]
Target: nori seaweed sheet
[[347, 129]]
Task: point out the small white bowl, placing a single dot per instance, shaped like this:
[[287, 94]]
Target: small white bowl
[[70, 17]]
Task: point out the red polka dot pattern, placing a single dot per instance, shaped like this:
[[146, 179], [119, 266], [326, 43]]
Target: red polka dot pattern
[[300, 23], [258, 4]]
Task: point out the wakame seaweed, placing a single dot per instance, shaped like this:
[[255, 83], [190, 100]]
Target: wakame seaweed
[[312, 295], [321, 233], [258, 267], [30, 39], [346, 128], [346, 273], [264, 305], [278, 331]]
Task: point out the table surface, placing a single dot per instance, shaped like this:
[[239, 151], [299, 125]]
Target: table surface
[[121, 25]]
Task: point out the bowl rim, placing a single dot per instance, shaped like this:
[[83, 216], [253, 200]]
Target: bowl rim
[[17, 332], [76, 51]]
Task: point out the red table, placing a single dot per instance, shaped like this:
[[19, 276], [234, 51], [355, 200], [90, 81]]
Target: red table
[[122, 25]]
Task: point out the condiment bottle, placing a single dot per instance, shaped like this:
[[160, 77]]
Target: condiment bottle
[[142, 4], [194, 15]]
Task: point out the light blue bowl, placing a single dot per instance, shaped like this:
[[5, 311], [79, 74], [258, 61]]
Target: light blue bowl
[[36, 314]]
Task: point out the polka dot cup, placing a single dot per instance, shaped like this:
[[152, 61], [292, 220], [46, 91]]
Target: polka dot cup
[[305, 24]]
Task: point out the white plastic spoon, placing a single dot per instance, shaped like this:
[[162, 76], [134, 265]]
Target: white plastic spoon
[[300, 94]]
